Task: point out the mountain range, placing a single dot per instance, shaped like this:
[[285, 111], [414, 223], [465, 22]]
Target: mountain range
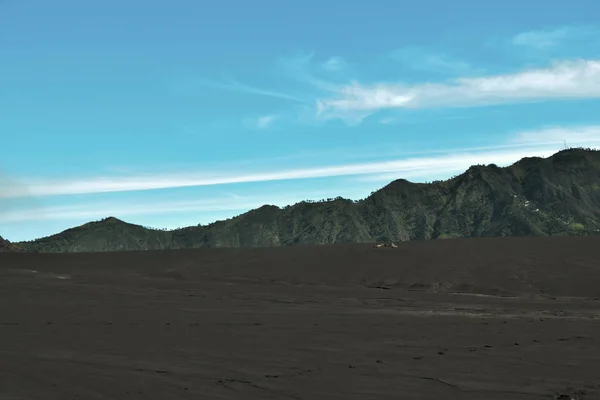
[[558, 195]]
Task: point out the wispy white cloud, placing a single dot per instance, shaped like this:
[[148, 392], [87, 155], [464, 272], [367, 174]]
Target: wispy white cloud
[[562, 80], [387, 121], [533, 143], [549, 38], [301, 68], [96, 210], [444, 166], [234, 86], [334, 64], [265, 121], [418, 58], [575, 136], [336, 95], [541, 143]]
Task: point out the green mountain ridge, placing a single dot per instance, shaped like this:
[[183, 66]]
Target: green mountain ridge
[[5, 245], [558, 195]]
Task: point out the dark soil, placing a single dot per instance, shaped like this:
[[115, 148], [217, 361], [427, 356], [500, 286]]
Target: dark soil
[[493, 319]]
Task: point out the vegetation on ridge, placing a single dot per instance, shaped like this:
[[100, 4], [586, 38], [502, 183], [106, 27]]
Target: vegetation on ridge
[[5, 245], [559, 195]]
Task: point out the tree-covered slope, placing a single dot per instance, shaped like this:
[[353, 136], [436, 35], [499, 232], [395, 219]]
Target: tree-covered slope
[[558, 195]]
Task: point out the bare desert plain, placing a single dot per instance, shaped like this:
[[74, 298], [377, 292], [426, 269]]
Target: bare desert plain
[[476, 319]]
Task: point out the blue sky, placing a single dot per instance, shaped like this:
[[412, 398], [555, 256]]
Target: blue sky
[[174, 113]]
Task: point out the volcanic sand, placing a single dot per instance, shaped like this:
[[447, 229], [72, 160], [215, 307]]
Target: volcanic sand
[[489, 319]]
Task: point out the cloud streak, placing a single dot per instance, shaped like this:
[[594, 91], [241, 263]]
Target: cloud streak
[[550, 38], [562, 80], [420, 59], [126, 209], [265, 121], [578, 135], [234, 86], [300, 67], [334, 64], [525, 144]]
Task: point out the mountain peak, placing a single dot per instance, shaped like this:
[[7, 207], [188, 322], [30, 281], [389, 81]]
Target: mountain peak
[[398, 184], [112, 220], [104, 221], [267, 207]]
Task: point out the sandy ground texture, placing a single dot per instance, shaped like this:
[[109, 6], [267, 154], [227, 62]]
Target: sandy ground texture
[[477, 319]]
